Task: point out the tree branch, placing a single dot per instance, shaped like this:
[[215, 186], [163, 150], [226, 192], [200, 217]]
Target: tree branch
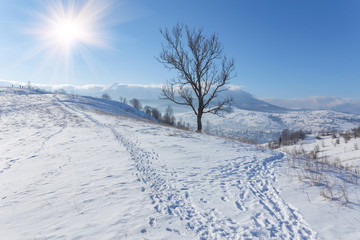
[[203, 71]]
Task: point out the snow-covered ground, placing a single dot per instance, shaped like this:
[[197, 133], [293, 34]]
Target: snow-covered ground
[[335, 150], [266, 126], [82, 168]]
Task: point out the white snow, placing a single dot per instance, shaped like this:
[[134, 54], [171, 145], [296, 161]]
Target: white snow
[[346, 153], [266, 126], [82, 168]]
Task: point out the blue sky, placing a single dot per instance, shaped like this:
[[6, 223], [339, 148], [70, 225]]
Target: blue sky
[[283, 48]]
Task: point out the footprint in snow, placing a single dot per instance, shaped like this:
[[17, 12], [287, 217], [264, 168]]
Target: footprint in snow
[[152, 221], [239, 206], [187, 195], [172, 230]]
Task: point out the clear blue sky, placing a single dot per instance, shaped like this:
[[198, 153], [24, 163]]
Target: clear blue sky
[[282, 48]]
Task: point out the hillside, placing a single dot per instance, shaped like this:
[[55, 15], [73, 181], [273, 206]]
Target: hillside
[[266, 126], [84, 168], [336, 149], [150, 95], [251, 118]]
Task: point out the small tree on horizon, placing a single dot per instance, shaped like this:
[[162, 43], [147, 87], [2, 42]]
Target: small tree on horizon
[[106, 96], [147, 110], [136, 103], [156, 114], [203, 70], [123, 100], [169, 117]]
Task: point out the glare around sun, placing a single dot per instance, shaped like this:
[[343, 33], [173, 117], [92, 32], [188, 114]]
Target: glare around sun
[[66, 28], [67, 32]]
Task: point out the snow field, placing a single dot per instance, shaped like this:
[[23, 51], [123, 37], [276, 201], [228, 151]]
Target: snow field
[[346, 153], [188, 191], [76, 168], [334, 173], [65, 182], [264, 127]]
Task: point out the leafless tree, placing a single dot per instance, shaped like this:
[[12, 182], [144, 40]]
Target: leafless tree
[[156, 114], [136, 103], [106, 96], [169, 117], [147, 110], [203, 71], [123, 100]]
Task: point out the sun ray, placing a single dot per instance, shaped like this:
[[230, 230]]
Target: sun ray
[[68, 29]]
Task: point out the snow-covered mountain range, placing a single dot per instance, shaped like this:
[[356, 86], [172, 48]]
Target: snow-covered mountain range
[[347, 105]]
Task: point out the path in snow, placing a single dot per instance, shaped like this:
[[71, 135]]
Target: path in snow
[[248, 205], [70, 172], [63, 177], [243, 184]]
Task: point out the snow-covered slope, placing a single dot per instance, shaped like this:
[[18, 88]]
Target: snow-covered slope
[[251, 118], [336, 150], [266, 126], [70, 169]]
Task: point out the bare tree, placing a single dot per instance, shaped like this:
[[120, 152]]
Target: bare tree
[[169, 117], [136, 103], [203, 71], [147, 110], [156, 114], [123, 100], [106, 96]]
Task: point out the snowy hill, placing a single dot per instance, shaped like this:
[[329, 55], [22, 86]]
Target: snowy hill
[[245, 101], [150, 95], [336, 149], [251, 118], [266, 126], [84, 168]]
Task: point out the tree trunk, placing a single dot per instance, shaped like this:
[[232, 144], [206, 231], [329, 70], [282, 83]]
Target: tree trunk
[[200, 113], [199, 123]]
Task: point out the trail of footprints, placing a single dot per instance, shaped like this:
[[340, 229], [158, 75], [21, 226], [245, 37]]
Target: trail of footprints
[[272, 213], [273, 217]]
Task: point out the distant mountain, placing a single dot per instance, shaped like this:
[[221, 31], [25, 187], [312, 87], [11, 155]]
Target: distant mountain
[[346, 105], [246, 101], [150, 95]]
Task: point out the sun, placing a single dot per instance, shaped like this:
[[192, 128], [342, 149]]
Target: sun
[[67, 32], [66, 28]]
